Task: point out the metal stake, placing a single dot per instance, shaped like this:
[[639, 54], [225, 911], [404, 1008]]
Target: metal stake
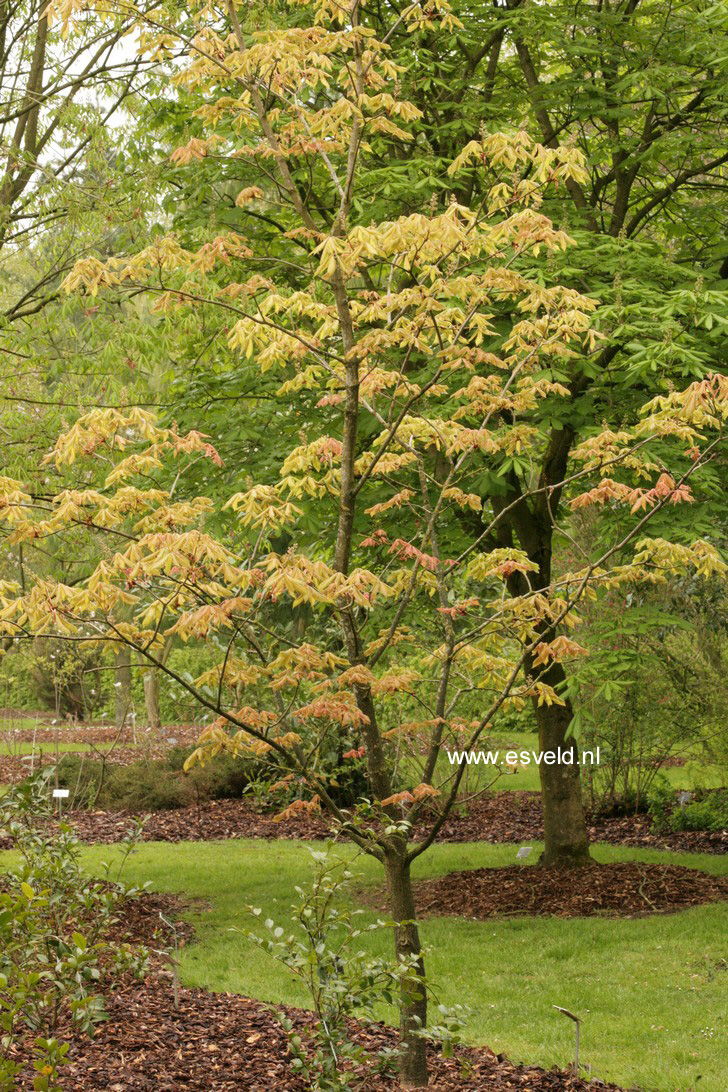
[[577, 1021]]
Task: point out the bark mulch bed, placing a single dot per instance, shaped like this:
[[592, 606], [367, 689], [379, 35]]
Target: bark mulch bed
[[225, 1042], [518, 817], [146, 919], [628, 889], [635, 830], [213, 820], [513, 817]]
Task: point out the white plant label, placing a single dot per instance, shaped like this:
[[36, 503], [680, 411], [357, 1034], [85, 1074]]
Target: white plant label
[[61, 794], [523, 852]]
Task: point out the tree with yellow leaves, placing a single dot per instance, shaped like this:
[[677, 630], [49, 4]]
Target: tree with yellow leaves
[[411, 620]]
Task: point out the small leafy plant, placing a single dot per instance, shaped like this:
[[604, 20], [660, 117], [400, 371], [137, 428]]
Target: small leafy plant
[[54, 925], [661, 803], [708, 812], [343, 980]]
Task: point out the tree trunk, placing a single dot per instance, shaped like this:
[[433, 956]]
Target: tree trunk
[[150, 679], [566, 842], [122, 685], [413, 1000]]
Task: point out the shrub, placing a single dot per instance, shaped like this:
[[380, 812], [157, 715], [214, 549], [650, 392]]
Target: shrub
[[225, 778], [710, 813], [144, 786], [651, 688], [661, 803], [54, 921], [141, 786], [152, 785], [325, 952], [158, 784]]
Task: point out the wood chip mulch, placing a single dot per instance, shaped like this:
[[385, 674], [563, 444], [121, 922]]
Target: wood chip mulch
[[226, 1043], [152, 918], [214, 820], [513, 817], [627, 889]]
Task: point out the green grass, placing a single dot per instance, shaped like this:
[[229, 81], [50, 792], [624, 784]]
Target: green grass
[[49, 747], [652, 991], [695, 775], [27, 724]]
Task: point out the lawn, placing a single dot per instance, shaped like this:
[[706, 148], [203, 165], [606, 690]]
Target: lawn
[[23, 724], [652, 991], [49, 747]]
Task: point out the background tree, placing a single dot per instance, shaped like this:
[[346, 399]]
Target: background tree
[[58, 96], [74, 178]]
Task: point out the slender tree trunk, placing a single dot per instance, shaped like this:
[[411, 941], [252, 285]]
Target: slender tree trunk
[[566, 842], [150, 678], [413, 1000], [151, 697], [122, 685]]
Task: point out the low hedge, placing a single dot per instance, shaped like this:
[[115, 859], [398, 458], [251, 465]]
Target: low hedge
[[152, 784]]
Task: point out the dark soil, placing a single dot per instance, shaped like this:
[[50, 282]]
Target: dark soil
[[226, 1043], [628, 889], [498, 817]]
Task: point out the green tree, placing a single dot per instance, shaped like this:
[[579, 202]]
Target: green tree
[[639, 88], [345, 587]]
